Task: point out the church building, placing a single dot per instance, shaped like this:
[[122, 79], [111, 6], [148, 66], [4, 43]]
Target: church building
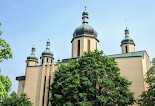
[[38, 77]]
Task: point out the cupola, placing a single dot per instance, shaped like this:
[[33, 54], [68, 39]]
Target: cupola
[[32, 60], [127, 44], [84, 37], [47, 55], [85, 29]]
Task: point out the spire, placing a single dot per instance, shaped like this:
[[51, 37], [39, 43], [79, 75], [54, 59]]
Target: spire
[[33, 50], [85, 16], [48, 44], [126, 32]]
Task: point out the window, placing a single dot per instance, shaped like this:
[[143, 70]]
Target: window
[[42, 61], [51, 60], [88, 45], [47, 60], [126, 49], [27, 64], [78, 48], [44, 90]]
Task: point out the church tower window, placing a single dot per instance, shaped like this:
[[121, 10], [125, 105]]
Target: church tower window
[[42, 61], [47, 60], [78, 48], [126, 48], [88, 45]]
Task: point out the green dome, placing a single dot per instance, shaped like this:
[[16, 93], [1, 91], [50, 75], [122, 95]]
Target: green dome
[[85, 13], [127, 40], [85, 30], [32, 58], [47, 53]]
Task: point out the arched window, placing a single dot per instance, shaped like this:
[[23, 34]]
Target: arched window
[[126, 49], [78, 48], [88, 45]]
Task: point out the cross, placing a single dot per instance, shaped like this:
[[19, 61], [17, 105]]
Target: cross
[[85, 4]]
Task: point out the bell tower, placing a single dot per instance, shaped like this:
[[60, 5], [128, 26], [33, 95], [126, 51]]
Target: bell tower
[[84, 38], [127, 44]]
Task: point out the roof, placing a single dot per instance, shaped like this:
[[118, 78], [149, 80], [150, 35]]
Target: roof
[[122, 55], [127, 40], [20, 78], [32, 57], [47, 53], [127, 55], [85, 29], [67, 60]]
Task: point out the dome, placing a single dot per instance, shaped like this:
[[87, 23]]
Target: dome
[[32, 57], [85, 13], [85, 30], [127, 40], [47, 53]]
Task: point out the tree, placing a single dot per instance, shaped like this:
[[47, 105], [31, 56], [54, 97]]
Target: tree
[[5, 82], [14, 100], [90, 80], [5, 50], [148, 97]]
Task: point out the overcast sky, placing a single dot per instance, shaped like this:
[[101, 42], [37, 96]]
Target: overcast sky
[[28, 22]]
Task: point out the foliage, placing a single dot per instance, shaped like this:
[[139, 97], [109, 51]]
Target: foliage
[[5, 82], [5, 85], [148, 97], [91, 80], [5, 50], [14, 100]]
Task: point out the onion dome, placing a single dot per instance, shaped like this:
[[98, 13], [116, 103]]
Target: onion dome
[[85, 29], [32, 57], [47, 52], [127, 39]]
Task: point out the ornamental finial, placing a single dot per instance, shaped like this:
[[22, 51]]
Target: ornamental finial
[[85, 16], [48, 44], [126, 32], [85, 8], [33, 50]]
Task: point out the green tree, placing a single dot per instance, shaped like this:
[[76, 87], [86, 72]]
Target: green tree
[[148, 97], [5, 50], [91, 80], [14, 100], [5, 82]]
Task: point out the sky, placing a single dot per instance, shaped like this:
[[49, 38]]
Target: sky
[[32, 22]]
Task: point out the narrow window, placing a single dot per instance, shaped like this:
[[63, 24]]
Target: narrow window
[[126, 48], [49, 90], [27, 64], [44, 90], [88, 45], [51, 60], [47, 60], [78, 48], [42, 61]]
